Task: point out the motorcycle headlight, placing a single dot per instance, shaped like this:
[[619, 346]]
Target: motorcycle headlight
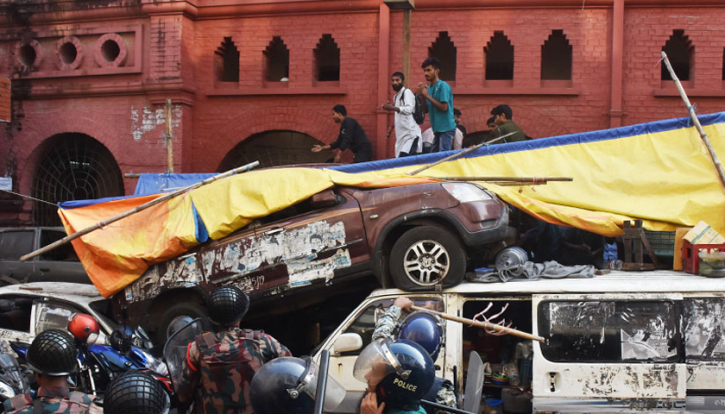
[[6, 390], [466, 192]]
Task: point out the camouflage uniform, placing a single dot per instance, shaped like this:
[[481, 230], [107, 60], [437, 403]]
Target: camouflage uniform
[[56, 400], [222, 365]]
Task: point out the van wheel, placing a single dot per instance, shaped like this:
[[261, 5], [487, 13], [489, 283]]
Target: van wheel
[[176, 317], [423, 256]]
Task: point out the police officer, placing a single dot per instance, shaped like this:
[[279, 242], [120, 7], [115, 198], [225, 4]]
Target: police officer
[[135, 392], [221, 364], [288, 386], [52, 356], [398, 375]]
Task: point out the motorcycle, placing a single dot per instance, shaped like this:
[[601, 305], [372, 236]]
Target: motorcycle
[[175, 354], [98, 364], [12, 381], [105, 362]]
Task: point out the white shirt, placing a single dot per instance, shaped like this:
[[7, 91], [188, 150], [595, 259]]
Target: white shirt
[[406, 129], [458, 140]]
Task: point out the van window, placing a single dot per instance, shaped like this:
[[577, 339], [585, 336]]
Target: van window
[[14, 244], [609, 331], [60, 253], [15, 313], [364, 325], [704, 329], [52, 315]]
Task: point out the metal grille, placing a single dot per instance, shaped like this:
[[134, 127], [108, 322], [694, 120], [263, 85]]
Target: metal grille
[[274, 148], [73, 167]]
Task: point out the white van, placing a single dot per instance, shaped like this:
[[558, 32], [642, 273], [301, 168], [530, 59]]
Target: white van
[[621, 342]]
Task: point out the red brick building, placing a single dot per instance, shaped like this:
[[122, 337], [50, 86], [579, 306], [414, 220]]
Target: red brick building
[[257, 79]]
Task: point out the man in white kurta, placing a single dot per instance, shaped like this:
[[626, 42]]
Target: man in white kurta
[[407, 132]]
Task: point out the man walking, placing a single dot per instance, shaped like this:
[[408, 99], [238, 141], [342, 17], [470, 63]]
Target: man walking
[[220, 365], [351, 136], [407, 132], [502, 115], [440, 105]]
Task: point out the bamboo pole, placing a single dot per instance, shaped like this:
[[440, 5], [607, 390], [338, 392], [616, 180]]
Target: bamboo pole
[[458, 154], [695, 120], [135, 210], [486, 325], [509, 179]]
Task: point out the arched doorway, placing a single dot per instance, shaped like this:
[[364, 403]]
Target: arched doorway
[[72, 166], [274, 148]]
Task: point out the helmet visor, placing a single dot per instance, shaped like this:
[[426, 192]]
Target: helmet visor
[[375, 362], [334, 392]]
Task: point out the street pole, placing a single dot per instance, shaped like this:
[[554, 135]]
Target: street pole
[[169, 141]]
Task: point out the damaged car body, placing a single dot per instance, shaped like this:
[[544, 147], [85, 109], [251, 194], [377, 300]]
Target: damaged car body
[[413, 237]]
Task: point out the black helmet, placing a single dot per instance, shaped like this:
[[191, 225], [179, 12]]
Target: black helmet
[[227, 305], [424, 329], [402, 372], [135, 392], [53, 352], [288, 385]]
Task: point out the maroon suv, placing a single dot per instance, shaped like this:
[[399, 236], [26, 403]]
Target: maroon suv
[[412, 237]]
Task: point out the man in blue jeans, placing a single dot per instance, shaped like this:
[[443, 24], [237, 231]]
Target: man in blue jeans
[[440, 105]]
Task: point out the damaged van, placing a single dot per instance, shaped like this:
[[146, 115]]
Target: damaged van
[[621, 342]]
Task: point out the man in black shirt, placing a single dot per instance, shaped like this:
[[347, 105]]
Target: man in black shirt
[[351, 136]]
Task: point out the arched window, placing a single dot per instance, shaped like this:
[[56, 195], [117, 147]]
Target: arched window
[[556, 57], [327, 60], [679, 51], [276, 61], [444, 49], [226, 61], [499, 58]]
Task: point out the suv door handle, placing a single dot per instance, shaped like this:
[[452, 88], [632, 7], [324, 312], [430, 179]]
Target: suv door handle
[[274, 231]]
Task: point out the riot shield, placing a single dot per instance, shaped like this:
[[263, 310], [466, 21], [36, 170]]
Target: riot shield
[[474, 383], [175, 349]]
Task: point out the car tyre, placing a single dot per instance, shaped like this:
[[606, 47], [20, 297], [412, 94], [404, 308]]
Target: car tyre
[[175, 315], [423, 256]]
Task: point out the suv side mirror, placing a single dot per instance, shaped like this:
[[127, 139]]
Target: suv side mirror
[[326, 198], [347, 342]]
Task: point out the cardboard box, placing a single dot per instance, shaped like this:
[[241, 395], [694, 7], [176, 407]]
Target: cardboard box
[[702, 233]]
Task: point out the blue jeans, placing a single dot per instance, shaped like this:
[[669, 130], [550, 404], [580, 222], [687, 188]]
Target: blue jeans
[[443, 141]]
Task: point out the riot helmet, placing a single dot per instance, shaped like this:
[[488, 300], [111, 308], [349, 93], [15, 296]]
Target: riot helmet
[[53, 352], [84, 327], [227, 305], [135, 392], [424, 329], [288, 385], [400, 372]]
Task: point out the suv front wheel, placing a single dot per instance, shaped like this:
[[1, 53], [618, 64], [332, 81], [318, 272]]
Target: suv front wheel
[[423, 256]]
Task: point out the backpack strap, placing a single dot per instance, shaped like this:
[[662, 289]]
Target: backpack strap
[[205, 341]]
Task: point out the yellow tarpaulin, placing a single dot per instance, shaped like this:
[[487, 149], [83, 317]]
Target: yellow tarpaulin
[[658, 172]]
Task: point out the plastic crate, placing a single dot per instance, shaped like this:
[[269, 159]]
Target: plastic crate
[[662, 242], [691, 256]]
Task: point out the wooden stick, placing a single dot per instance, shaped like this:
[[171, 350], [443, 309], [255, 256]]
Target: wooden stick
[[510, 179], [695, 120], [458, 154], [486, 325], [135, 210]]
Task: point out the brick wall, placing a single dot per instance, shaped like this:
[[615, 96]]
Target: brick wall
[[646, 32], [178, 62]]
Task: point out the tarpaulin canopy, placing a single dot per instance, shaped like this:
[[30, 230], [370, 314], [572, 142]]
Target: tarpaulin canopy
[[659, 172]]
